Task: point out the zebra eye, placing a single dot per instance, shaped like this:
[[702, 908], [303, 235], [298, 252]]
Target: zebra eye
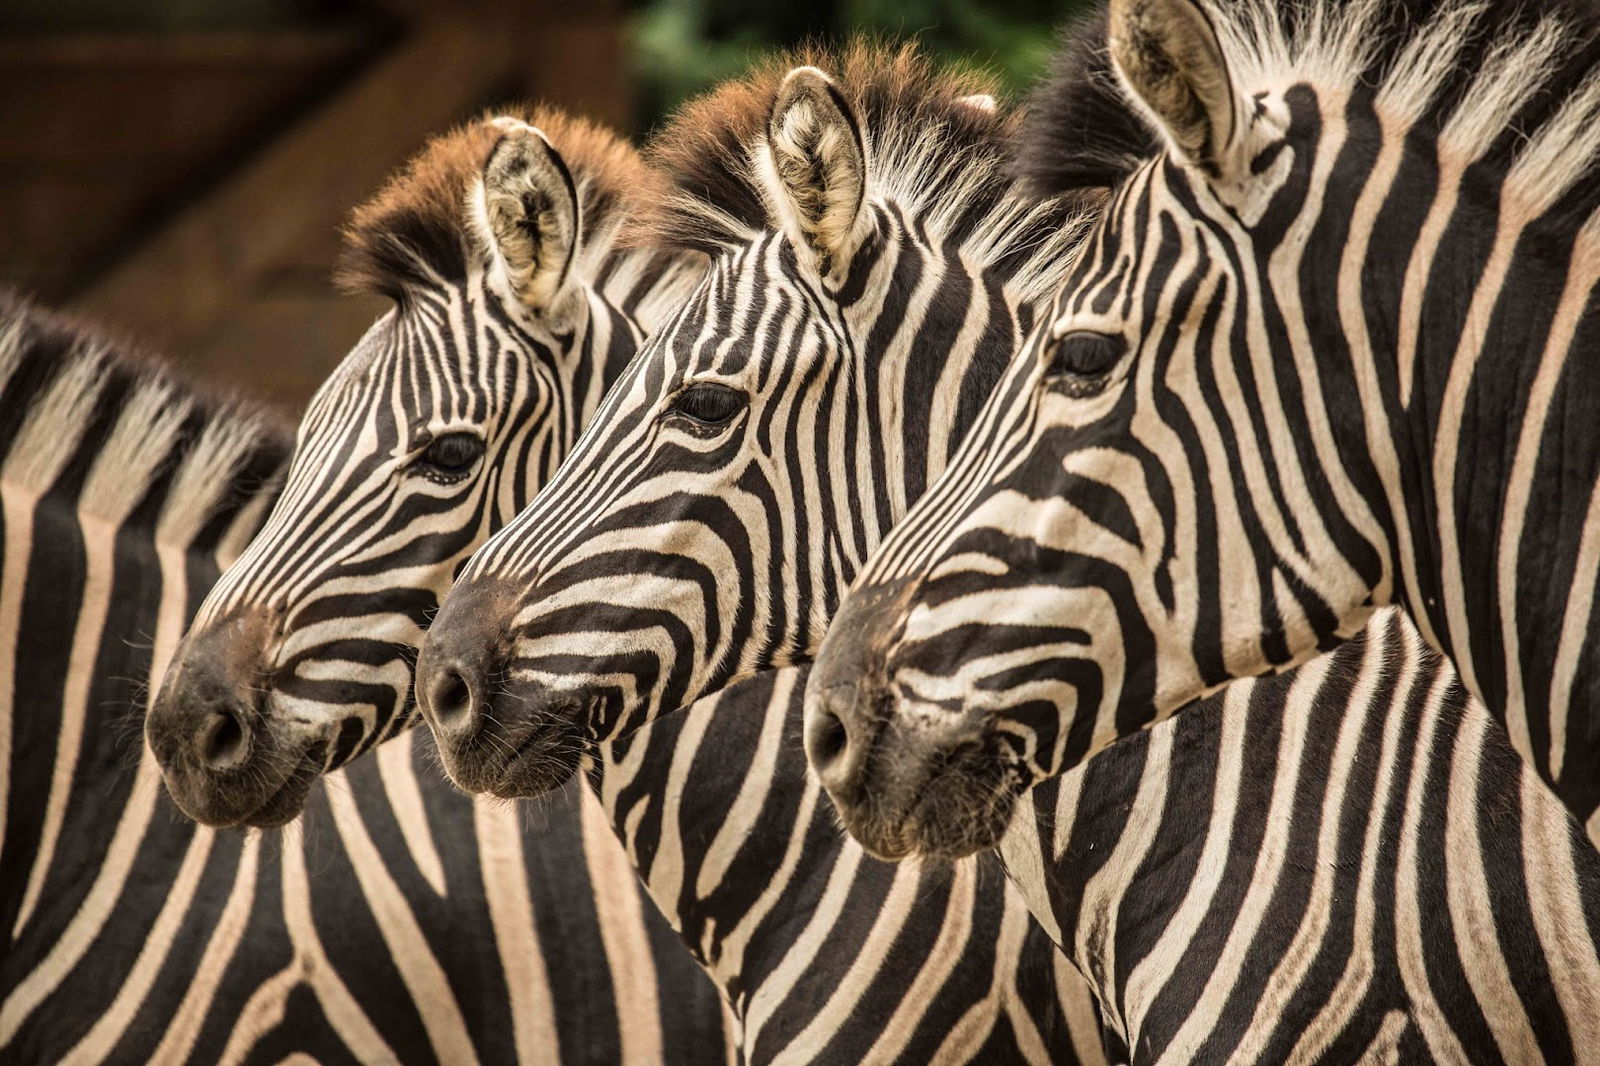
[[1084, 353], [452, 454], [708, 403]]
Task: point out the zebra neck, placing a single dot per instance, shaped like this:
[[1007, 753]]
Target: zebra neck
[[1095, 860], [715, 808], [121, 495], [99, 609], [741, 851], [1452, 350], [1499, 552]]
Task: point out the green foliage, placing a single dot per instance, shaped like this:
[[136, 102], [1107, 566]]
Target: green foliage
[[682, 47]]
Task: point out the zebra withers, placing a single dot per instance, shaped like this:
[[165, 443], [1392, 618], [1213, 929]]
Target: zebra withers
[[133, 935], [514, 308], [1322, 353]]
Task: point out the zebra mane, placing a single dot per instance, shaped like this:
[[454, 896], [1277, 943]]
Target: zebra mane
[[414, 231], [95, 421], [929, 149], [1509, 83]]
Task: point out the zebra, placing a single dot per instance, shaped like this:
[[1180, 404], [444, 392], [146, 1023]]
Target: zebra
[[872, 271], [1103, 924], [514, 308], [134, 936], [822, 953], [1314, 360]]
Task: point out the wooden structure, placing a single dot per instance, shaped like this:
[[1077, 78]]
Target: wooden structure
[[188, 188]]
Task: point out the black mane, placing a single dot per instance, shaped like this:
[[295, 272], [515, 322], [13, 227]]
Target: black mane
[[1082, 132]]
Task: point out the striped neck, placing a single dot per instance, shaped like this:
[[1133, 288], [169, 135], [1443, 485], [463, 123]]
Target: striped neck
[[1357, 824], [1460, 395], [110, 471], [812, 942]]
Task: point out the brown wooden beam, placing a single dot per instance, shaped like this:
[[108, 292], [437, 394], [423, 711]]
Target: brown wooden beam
[[198, 269]]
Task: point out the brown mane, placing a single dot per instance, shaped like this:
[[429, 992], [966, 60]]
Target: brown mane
[[414, 230], [900, 96]]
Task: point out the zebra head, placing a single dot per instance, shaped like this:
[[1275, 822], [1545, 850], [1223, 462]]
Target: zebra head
[[1173, 485], [512, 312], [867, 257]]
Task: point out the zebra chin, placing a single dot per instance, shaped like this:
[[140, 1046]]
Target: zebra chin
[[540, 763], [268, 799]]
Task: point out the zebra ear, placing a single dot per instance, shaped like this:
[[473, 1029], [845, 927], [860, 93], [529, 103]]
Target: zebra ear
[[817, 165], [1168, 54], [528, 214]]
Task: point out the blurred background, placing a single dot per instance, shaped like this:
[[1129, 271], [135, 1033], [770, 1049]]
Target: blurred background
[[179, 169]]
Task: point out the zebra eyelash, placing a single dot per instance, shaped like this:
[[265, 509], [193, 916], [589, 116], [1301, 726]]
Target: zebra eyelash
[[705, 407], [1080, 362], [448, 458]]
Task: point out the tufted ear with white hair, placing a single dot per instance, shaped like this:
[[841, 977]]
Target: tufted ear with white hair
[[816, 168], [1168, 54], [527, 212]]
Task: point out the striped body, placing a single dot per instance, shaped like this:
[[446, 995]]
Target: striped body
[[824, 953], [1325, 350], [133, 935], [1345, 863]]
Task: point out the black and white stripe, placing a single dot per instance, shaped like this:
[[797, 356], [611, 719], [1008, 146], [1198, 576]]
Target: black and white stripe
[[769, 434], [955, 971], [1345, 863], [132, 935]]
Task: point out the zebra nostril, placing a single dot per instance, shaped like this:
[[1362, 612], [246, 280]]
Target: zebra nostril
[[828, 740], [450, 699], [222, 743], [835, 752]]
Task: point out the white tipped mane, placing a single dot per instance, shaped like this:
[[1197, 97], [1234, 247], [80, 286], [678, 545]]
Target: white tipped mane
[[55, 423], [135, 451], [1335, 46], [152, 431], [936, 146]]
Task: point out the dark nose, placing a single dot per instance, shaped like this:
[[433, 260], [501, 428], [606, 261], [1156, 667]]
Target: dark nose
[[452, 692], [459, 662], [205, 725], [848, 685], [204, 714], [222, 736]]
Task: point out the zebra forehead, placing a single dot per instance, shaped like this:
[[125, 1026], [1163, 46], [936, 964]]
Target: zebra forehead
[[414, 231]]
